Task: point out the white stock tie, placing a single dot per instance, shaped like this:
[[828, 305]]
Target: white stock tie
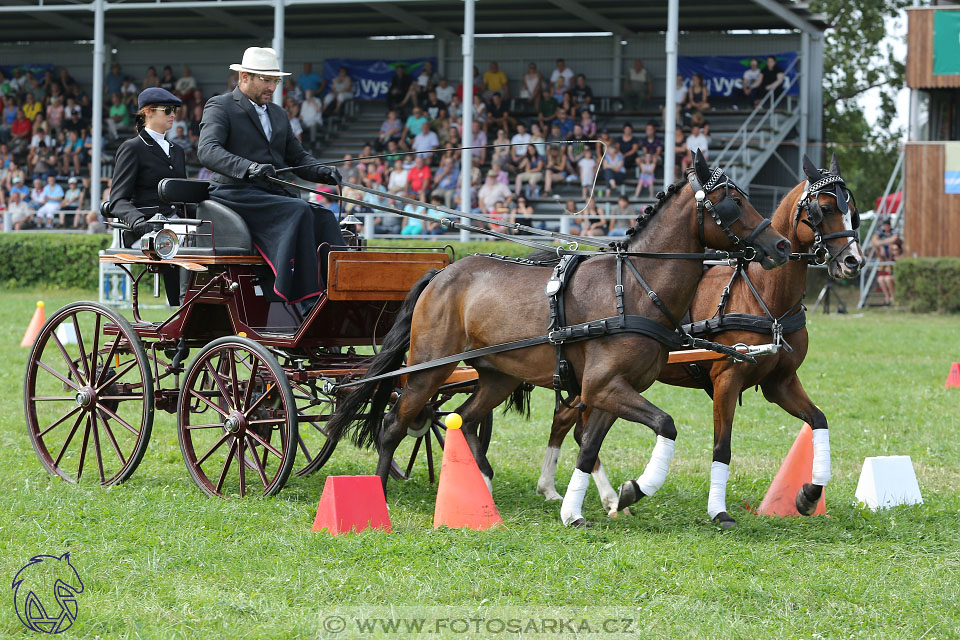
[[264, 120]]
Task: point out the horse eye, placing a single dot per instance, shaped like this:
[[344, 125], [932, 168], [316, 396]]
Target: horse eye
[[738, 201]]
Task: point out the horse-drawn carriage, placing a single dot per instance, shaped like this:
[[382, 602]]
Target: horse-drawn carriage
[[252, 403]]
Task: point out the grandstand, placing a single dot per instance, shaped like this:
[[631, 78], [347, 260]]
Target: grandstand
[[599, 39]]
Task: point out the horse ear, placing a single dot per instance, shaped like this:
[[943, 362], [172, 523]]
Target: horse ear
[[835, 165], [701, 167], [66, 556], [811, 171]]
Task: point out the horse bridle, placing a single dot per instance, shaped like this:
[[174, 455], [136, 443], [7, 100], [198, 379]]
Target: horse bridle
[[832, 185], [726, 211]]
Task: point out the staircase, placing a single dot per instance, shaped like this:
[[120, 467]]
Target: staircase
[[868, 275]]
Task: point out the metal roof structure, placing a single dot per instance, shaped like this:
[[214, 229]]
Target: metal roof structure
[[131, 20]]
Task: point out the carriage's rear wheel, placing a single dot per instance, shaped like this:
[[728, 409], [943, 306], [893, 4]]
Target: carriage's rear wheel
[[88, 394], [315, 404], [237, 419]]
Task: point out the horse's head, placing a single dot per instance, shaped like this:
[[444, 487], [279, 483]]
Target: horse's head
[[737, 224], [827, 220]]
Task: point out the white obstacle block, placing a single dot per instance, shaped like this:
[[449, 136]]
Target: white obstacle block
[[888, 481], [67, 334]]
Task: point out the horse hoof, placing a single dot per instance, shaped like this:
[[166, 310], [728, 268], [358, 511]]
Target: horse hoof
[[807, 499], [629, 494], [580, 523], [724, 520]]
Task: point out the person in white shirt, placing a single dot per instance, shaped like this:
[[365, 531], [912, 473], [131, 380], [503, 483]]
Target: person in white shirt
[[696, 140], [397, 184], [445, 92], [311, 113], [519, 143], [425, 142], [180, 125], [752, 78], [491, 192], [562, 71]]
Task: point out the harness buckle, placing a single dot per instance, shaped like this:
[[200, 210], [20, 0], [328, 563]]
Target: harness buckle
[[750, 254], [618, 290], [557, 336]]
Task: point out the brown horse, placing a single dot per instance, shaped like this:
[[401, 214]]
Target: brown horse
[[812, 216], [481, 301]]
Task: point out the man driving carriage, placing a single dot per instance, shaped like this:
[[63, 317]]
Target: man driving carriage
[[244, 139]]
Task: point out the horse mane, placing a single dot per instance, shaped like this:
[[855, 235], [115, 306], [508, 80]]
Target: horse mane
[[651, 210]]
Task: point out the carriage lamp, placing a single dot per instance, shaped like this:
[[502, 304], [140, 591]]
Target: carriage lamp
[[160, 245]]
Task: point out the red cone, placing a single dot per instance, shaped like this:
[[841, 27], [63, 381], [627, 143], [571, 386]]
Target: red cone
[[351, 503], [797, 469], [463, 499], [953, 378]]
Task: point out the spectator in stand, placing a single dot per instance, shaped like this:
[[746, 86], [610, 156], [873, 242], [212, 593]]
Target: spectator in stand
[[65, 79], [562, 71], [605, 143], [151, 79], [523, 213], [577, 144], [445, 92], [884, 239], [680, 96], [772, 76], [20, 132], [752, 79], [500, 152], [587, 167], [651, 144], [637, 88], [491, 192], [495, 81], [310, 81], [71, 204], [117, 116], [502, 176], [393, 152], [557, 168], [21, 214], [696, 140], [547, 109], [180, 120], [647, 167], [292, 92], [566, 123], [49, 201], [518, 144], [391, 129], [621, 217], [167, 81], [71, 154], [419, 179], [432, 105], [446, 183], [55, 112], [341, 90], [591, 221], [614, 172], [412, 127], [186, 83], [479, 140], [629, 147], [425, 143], [9, 116], [349, 172], [397, 183], [182, 140], [698, 95], [885, 275], [31, 106], [681, 158], [498, 115], [113, 81], [399, 87], [427, 79], [537, 139], [311, 113], [588, 124], [532, 87], [73, 123], [558, 88], [582, 95], [193, 128], [530, 171]]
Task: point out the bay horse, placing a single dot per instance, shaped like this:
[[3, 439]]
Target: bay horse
[[814, 216], [481, 301]]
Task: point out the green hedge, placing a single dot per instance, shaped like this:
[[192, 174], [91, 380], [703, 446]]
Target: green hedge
[[928, 284], [57, 260]]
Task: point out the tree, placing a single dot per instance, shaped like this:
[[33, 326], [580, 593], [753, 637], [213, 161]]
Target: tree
[[858, 60]]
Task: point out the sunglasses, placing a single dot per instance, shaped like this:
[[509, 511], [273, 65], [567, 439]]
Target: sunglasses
[[167, 110]]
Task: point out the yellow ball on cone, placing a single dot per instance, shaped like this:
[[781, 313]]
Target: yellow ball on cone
[[453, 421]]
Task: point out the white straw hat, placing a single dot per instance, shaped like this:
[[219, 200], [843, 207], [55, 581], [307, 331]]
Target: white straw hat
[[259, 60]]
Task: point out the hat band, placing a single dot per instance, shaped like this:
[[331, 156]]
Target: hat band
[[244, 67]]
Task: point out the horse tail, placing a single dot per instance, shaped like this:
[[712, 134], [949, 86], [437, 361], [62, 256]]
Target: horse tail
[[519, 400], [374, 396]]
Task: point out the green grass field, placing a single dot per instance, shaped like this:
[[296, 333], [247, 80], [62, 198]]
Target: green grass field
[[160, 560]]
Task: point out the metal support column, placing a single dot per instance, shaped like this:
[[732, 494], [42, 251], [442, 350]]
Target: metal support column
[[815, 117], [441, 57], [617, 66], [670, 101], [805, 76], [913, 127], [279, 17], [466, 158], [97, 151]]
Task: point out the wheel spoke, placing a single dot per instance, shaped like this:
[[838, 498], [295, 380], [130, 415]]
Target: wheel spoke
[[58, 375], [223, 392], [112, 438], [96, 448], [51, 398], [117, 375], [259, 466], [83, 353], [96, 341], [66, 356], [267, 421], [266, 445], [233, 378], [303, 448], [216, 408], [241, 441], [59, 422], [216, 446], [121, 398], [226, 466], [212, 425], [258, 401], [106, 361], [118, 419], [83, 448], [249, 390], [63, 450]]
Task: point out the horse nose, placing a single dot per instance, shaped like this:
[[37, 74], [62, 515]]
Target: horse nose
[[784, 247], [852, 262]]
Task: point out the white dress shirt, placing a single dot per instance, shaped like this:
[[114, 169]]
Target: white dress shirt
[[264, 117], [160, 140]]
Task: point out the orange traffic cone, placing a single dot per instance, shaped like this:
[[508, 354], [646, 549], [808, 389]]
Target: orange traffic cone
[[33, 329], [797, 469], [351, 503], [463, 499], [953, 378]]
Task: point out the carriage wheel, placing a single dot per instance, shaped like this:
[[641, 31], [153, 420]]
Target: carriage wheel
[[315, 406], [88, 394], [434, 429], [237, 420]]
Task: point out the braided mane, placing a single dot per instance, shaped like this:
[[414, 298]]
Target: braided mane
[[650, 211]]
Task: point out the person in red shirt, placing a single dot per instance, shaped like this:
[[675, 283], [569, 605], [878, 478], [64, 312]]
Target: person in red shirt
[[419, 179], [20, 131]]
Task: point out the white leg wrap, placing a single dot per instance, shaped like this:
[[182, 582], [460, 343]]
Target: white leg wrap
[[821, 457], [717, 502], [489, 483], [546, 485], [570, 509], [655, 474], [608, 496]]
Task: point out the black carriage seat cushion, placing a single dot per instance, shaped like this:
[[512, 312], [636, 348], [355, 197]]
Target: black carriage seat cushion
[[182, 190], [231, 236]]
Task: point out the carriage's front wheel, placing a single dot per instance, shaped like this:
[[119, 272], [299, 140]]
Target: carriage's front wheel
[[237, 419], [88, 394]]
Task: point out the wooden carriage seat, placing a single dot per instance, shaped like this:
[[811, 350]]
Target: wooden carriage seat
[[230, 234]]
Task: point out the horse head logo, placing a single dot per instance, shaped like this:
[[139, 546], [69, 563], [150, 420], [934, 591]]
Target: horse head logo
[[47, 579]]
